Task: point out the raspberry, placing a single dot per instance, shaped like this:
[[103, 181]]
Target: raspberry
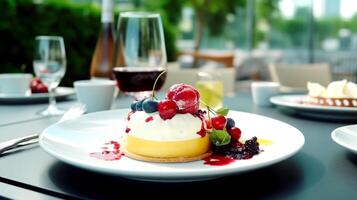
[[219, 122], [167, 109], [37, 86], [185, 96], [178, 88], [41, 88]]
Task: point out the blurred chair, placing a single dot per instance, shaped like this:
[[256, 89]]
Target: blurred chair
[[295, 76], [253, 69]]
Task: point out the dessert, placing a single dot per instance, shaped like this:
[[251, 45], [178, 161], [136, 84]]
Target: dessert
[[170, 130], [338, 93], [176, 130]]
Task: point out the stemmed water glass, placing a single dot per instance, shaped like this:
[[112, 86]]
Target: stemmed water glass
[[140, 53], [50, 66]]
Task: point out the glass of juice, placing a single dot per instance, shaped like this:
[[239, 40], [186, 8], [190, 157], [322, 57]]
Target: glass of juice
[[210, 87]]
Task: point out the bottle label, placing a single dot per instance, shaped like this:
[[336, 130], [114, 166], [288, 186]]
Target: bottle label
[[107, 11]]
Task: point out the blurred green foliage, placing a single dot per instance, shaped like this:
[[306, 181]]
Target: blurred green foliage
[[78, 24]]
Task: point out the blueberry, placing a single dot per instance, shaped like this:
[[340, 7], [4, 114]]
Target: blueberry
[[150, 106], [230, 123], [139, 105], [133, 106]]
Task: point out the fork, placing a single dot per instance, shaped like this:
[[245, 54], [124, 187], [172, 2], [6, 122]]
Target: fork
[[74, 112]]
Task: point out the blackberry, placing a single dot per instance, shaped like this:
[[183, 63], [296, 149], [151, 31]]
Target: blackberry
[[238, 150], [252, 146]]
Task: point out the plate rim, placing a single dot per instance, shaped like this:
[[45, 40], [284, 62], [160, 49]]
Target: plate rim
[[38, 97], [277, 100], [339, 142], [187, 173]]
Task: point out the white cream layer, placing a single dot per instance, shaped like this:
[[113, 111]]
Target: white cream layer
[[180, 127], [336, 89]]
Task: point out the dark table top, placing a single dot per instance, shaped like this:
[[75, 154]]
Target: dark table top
[[320, 170]]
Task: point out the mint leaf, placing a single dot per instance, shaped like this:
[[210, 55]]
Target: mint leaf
[[222, 111], [220, 137]]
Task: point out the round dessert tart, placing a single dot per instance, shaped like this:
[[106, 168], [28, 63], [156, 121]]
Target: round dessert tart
[[337, 93], [179, 139], [176, 130], [170, 130]]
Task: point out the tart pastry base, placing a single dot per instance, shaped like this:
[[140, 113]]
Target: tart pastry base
[[339, 102], [165, 160]]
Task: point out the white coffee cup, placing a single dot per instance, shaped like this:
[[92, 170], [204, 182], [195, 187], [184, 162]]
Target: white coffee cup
[[15, 84], [96, 95], [262, 91]]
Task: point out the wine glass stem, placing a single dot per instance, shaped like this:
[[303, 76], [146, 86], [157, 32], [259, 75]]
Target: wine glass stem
[[52, 99]]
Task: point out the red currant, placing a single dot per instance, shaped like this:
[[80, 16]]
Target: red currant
[[167, 109], [235, 133], [219, 122]]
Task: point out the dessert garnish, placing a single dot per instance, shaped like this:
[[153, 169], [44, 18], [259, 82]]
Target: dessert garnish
[[225, 137]]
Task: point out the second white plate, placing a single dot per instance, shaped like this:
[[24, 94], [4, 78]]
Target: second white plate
[[60, 93], [293, 102]]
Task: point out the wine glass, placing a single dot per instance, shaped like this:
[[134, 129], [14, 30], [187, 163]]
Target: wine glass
[[50, 66], [140, 54]]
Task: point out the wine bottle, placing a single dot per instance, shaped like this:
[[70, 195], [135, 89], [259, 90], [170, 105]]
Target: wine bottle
[[102, 60]]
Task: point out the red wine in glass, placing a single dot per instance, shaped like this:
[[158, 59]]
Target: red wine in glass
[[139, 81]]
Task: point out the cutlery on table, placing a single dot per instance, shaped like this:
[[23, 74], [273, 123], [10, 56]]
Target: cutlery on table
[[74, 112]]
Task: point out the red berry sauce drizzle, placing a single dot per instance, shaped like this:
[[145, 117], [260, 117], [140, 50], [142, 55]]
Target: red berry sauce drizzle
[[218, 160], [127, 130], [200, 114], [110, 152], [149, 119], [224, 155], [129, 115]]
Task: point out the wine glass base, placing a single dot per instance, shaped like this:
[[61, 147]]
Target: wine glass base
[[51, 111]]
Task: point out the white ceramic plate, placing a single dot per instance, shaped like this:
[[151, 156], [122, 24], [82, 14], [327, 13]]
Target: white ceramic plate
[[73, 141], [325, 112], [346, 136], [61, 93]]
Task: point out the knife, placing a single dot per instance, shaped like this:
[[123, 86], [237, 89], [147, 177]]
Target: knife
[[74, 112]]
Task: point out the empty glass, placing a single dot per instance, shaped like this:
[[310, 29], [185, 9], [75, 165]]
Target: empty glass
[[50, 66]]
